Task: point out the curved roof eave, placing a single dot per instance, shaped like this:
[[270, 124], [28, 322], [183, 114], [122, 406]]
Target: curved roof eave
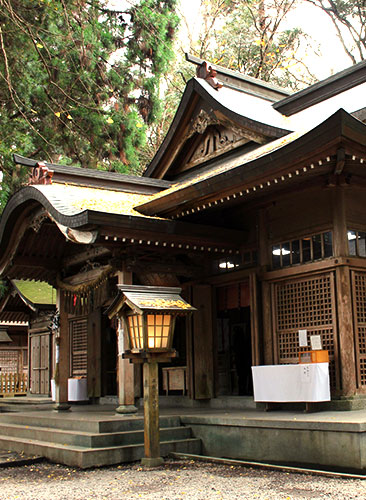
[[25, 196], [195, 87], [24, 203], [340, 124]]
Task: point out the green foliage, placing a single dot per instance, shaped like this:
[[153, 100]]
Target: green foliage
[[250, 39], [80, 83], [349, 19]]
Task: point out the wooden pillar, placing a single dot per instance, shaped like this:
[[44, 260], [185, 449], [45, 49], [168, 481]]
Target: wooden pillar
[[344, 296], [346, 334], [268, 347], [125, 369], [94, 353], [264, 265], [255, 320], [340, 240], [203, 342], [62, 370], [151, 416]]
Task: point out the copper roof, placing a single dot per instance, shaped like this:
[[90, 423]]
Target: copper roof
[[72, 200], [151, 298]]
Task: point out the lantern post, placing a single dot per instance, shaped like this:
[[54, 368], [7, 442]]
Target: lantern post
[[149, 315]]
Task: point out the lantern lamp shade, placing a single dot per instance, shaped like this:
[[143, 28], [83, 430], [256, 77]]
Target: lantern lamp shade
[[149, 314], [150, 331]]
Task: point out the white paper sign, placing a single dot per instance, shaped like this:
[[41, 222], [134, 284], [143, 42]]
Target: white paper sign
[[121, 347], [316, 342], [305, 374], [303, 338]]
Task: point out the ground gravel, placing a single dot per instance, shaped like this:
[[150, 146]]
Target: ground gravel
[[175, 480]]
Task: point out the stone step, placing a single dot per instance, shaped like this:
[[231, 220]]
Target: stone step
[[89, 423], [83, 457], [88, 439]]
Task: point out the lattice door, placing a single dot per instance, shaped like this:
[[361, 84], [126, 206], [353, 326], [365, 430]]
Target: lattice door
[[359, 312], [10, 361], [79, 347], [307, 303]]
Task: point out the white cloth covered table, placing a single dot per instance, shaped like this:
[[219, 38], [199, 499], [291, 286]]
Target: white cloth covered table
[[291, 383]]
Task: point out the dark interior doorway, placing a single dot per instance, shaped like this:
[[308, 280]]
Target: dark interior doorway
[[234, 351], [109, 359]]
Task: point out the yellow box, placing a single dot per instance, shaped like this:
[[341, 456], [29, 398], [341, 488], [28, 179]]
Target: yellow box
[[321, 356]]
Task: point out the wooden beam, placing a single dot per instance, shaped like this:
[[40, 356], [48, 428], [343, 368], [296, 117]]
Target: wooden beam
[[341, 160], [31, 261], [141, 266], [83, 256]]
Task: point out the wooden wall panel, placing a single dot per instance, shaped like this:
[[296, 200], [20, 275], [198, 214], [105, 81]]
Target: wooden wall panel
[[203, 342], [355, 203], [297, 213]]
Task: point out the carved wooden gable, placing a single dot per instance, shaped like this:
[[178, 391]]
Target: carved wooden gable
[[210, 136]]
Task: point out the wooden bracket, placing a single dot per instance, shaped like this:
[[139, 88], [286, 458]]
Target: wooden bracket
[[340, 162]]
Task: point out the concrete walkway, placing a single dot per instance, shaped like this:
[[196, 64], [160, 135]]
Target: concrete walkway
[[333, 439]]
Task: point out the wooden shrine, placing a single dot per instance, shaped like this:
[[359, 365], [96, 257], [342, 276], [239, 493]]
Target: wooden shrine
[[253, 205]]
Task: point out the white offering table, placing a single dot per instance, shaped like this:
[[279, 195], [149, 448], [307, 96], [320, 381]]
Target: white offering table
[[291, 383]]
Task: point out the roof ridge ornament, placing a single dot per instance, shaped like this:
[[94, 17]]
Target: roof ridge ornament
[[208, 73], [40, 174], [202, 121]]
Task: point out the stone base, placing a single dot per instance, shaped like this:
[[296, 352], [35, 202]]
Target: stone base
[[126, 409], [152, 462], [61, 407]]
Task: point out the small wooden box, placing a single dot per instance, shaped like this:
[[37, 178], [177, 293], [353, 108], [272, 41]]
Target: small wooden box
[[321, 356], [174, 379]]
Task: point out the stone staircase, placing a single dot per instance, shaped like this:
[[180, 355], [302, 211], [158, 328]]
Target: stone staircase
[[88, 440]]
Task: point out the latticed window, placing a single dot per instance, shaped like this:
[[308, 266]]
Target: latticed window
[[79, 347], [359, 292], [305, 304], [306, 249], [357, 243], [9, 361]]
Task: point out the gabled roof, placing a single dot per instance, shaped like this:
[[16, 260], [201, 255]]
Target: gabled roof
[[259, 169], [87, 177], [323, 90], [149, 298], [17, 307], [251, 116], [248, 84]]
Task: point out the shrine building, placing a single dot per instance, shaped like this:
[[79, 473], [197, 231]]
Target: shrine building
[[253, 206]]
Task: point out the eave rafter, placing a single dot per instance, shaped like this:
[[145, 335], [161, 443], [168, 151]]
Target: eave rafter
[[289, 159]]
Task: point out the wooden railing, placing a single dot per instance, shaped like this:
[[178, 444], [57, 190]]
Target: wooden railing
[[12, 384]]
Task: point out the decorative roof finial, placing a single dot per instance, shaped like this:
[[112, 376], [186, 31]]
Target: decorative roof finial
[[209, 74], [41, 174]]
